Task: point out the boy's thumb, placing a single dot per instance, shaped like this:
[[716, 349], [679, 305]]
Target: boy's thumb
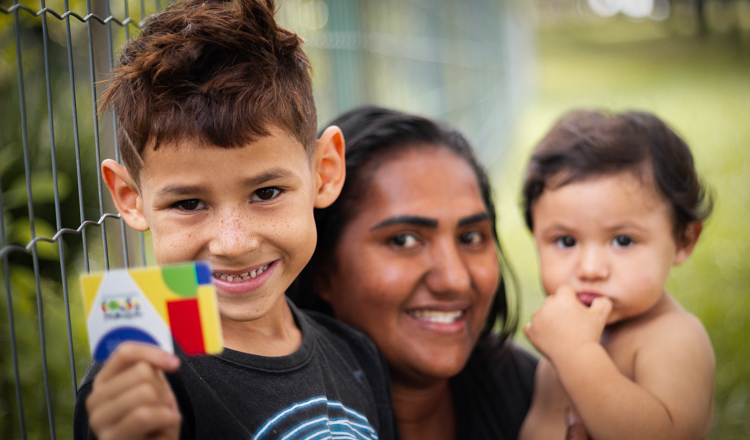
[[602, 307]]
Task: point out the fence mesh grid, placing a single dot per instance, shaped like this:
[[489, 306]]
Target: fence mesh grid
[[56, 222], [62, 229]]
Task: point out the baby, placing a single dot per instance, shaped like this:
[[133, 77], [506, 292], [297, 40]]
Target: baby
[[613, 203]]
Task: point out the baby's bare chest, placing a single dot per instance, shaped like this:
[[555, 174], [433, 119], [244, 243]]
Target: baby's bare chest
[[622, 347]]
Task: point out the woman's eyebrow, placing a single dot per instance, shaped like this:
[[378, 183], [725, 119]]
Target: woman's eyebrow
[[474, 219], [407, 219]]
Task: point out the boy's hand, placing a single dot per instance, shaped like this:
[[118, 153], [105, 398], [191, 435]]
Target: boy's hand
[[563, 323], [131, 398]]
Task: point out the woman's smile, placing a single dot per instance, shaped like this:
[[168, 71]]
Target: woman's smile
[[418, 274]]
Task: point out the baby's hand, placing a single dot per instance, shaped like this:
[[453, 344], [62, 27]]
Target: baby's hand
[[131, 398], [563, 323]]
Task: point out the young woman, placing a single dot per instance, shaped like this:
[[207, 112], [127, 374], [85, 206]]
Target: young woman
[[410, 255]]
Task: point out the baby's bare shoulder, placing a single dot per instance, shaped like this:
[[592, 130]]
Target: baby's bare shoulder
[[675, 326], [668, 323], [674, 340], [673, 333]]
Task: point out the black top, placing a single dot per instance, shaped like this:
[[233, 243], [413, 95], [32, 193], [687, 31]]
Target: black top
[[493, 392], [335, 383]]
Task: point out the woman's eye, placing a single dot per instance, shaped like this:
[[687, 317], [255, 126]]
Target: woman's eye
[[265, 194], [473, 237], [190, 205], [566, 241], [622, 241], [404, 241]]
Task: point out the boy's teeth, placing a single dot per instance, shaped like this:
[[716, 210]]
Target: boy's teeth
[[437, 316], [241, 277]]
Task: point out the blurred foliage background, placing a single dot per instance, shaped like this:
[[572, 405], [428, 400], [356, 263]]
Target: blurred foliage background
[[501, 70]]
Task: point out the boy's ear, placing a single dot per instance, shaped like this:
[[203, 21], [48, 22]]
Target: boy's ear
[[329, 165], [125, 194], [686, 243]]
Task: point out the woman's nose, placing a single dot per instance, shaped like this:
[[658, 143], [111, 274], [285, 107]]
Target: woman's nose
[[233, 234], [448, 272], [592, 264]]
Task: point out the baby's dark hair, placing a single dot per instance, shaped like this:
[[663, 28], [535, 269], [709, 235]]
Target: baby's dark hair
[[219, 72], [592, 143], [373, 137]]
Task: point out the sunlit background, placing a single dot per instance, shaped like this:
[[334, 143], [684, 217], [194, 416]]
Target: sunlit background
[[501, 70]]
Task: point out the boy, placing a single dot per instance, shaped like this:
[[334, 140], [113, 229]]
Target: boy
[[613, 203], [217, 133]]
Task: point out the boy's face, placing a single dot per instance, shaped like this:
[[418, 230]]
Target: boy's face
[[610, 235], [248, 211]]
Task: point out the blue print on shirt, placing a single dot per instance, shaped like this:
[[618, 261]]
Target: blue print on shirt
[[317, 419]]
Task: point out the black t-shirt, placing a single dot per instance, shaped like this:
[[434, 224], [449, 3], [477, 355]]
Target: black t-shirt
[[335, 384], [492, 394]]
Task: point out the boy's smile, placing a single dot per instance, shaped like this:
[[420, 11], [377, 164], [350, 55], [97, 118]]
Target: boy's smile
[[247, 210]]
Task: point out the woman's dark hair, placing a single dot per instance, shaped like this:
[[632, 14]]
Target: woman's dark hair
[[374, 136], [591, 143]]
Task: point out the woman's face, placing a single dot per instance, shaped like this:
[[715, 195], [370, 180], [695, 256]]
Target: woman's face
[[416, 268]]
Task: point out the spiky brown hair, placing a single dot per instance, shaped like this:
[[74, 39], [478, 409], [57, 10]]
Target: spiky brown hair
[[218, 72]]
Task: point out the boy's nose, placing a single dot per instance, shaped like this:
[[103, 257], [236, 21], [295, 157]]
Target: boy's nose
[[448, 273], [592, 264], [233, 235]]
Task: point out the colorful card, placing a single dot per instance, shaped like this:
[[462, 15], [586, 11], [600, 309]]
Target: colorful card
[[152, 305]]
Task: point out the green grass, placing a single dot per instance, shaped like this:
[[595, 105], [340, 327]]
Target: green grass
[[701, 87]]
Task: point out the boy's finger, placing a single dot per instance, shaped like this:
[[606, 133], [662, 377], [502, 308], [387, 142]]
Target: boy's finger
[[109, 411], [601, 307], [129, 353], [147, 422], [166, 391], [137, 374]]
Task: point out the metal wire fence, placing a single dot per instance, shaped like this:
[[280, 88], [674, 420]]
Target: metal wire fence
[[459, 61]]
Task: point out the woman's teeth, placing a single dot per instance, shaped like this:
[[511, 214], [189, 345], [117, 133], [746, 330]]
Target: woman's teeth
[[437, 316], [243, 276]]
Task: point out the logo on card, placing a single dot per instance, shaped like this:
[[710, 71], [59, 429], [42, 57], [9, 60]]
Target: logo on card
[[153, 305], [121, 307]]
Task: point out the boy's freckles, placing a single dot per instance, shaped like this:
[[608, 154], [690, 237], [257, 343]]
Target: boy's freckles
[[246, 210]]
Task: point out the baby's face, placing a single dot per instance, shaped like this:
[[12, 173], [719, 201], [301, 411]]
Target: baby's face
[[248, 211], [610, 235]]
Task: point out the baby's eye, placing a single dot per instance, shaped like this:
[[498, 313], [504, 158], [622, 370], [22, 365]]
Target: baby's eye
[[622, 241], [472, 238], [264, 194], [566, 241], [404, 241], [189, 205]]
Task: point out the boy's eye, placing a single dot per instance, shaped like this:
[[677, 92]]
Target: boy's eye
[[404, 241], [265, 194], [566, 241], [190, 205], [622, 241], [472, 238]]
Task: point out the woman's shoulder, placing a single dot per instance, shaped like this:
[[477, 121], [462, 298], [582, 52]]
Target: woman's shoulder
[[493, 392], [334, 334]]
